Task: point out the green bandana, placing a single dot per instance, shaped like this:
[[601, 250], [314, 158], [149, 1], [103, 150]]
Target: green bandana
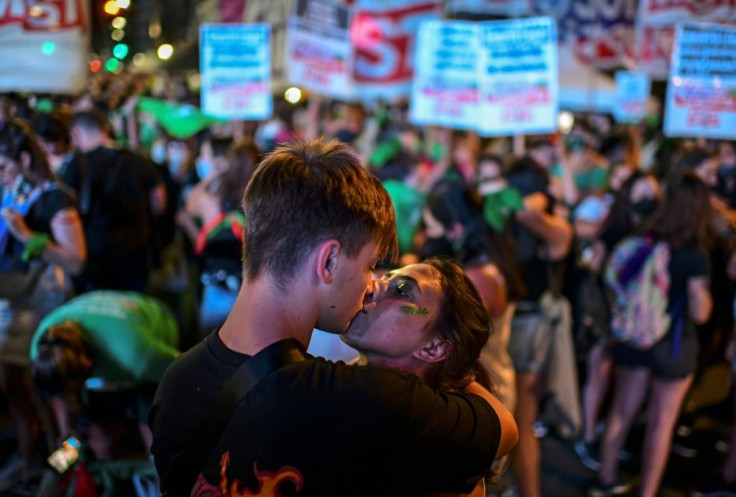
[[498, 205], [179, 120], [35, 246], [385, 152]]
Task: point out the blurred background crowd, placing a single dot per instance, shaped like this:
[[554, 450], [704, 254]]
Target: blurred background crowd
[[121, 209]]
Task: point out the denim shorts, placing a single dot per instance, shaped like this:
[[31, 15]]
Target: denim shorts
[[530, 342]]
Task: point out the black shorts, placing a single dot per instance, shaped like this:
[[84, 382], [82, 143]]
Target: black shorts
[[660, 358]]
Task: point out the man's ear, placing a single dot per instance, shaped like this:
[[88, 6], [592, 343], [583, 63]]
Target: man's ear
[[436, 350], [327, 259]]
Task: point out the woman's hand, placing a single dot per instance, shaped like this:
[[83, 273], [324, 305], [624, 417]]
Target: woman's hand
[[16, 224]]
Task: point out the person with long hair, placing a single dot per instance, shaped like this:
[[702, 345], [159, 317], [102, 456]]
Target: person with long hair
[[428, 319], [455, 226], [542, 239], [41, 243], [663, 372], [632, 204], [213, 220]]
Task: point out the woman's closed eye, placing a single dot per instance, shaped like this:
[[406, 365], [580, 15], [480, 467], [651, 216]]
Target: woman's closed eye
[[404, 289]]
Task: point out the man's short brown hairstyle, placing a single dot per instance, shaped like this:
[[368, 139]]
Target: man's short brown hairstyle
[[305, 193]]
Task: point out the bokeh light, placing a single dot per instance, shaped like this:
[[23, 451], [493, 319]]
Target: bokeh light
[[119, 22], [293, 95], [165, 51]]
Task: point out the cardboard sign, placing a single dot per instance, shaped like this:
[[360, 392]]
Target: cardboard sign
[[318, 49], [445, 90], [45, 46], [235, 62], [701, 94], [632, 93], [519, 80]]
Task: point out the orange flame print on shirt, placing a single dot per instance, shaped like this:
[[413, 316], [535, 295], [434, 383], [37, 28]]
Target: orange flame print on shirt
[[268, 482]]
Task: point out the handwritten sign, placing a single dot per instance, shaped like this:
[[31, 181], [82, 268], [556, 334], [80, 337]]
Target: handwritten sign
[[319, 56], [519, 81], [632, 93], [235, 62], [701, 94], [445, 89]]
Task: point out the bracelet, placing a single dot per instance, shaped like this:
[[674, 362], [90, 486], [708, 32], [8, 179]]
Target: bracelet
[[35, 246]]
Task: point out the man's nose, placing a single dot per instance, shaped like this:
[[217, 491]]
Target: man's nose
[[376, 290]]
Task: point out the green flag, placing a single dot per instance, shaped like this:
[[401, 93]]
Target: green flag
[[498, 205], [179, 120]]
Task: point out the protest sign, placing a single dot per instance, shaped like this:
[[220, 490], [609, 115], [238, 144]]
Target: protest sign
[[655, 29], [519, 80], [599, 34], [383, 33], [701, 94], [318, 49], [446, 75], [632, 93], [235, 62], [45, 46]]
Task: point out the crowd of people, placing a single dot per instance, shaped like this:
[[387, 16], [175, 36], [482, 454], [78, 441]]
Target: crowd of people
[[569, 279]]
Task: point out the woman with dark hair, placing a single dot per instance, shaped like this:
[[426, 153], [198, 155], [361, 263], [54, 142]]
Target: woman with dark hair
[[456, 227], [41, 244], [663, 372], [213, 220], [633, 203], [428, 319]]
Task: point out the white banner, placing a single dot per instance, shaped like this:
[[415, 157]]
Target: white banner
[[318, 52], [45, 46], [632, 93], [383, 33], [519, 83], [235, 62], [701, 94], [446, 75]]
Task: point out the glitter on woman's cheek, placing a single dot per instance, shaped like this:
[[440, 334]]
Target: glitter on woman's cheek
[[414, 310]]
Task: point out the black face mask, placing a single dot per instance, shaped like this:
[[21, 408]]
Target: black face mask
[[645, 207]]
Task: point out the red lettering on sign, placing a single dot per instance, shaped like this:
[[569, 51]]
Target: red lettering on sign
[[384, 42], [43, 15]]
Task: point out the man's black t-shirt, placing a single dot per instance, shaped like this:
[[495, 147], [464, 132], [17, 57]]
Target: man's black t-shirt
[[324, 429], [113, 188]]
